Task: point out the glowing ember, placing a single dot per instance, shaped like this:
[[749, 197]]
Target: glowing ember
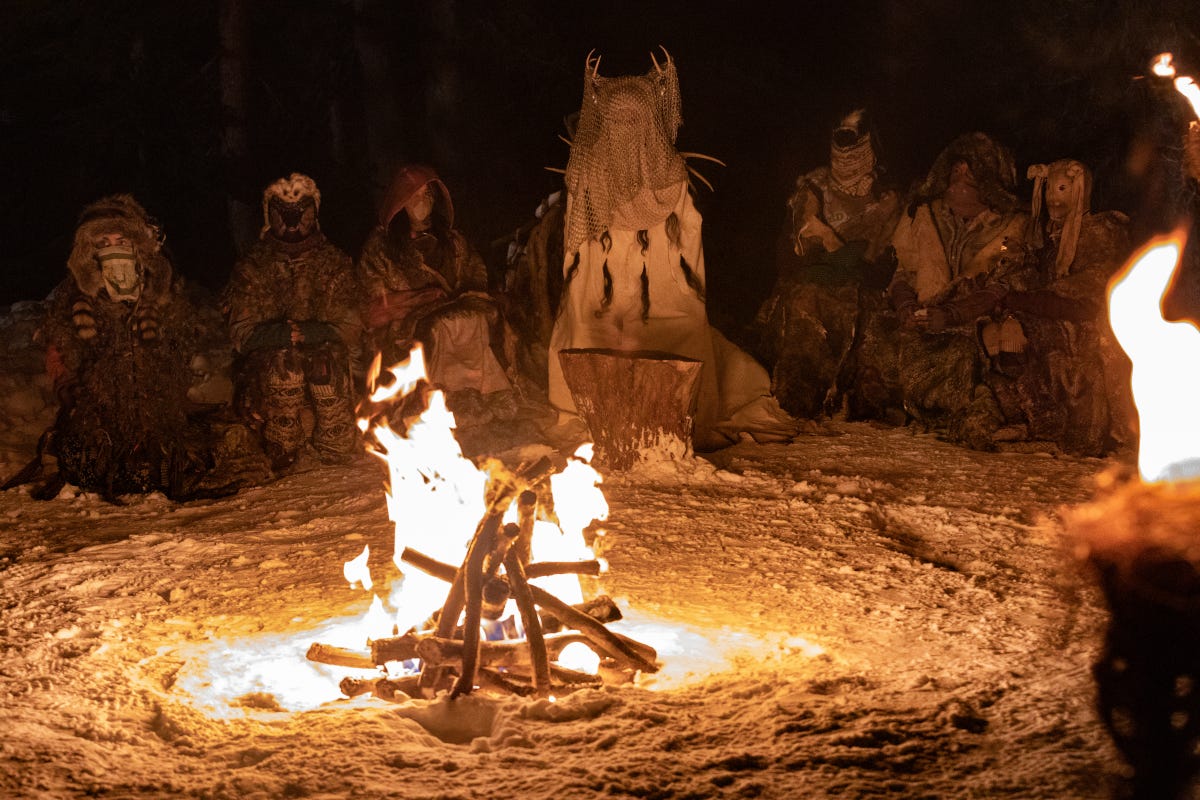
[[1164, 386]]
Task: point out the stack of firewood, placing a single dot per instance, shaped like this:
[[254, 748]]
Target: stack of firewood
[[454, 658]]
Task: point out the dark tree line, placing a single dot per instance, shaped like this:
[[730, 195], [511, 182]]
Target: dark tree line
[[194, 107]]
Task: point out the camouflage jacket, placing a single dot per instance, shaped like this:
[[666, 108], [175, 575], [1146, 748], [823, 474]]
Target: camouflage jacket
[[311, 283], [397, 285]]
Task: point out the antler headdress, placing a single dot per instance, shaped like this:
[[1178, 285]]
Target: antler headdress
[[623, 152]]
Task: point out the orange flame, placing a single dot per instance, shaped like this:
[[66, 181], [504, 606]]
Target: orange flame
[[1163, 67], [1164, 385]]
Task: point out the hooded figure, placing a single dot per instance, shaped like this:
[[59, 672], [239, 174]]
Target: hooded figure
[[963, 231], [291, 305], [423, 282], [633, 259], [119, 340]]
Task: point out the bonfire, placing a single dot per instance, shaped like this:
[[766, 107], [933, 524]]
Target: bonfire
[[502, 547]]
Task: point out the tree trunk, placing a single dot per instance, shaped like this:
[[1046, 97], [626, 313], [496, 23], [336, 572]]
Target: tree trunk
[[374, 43], [235, 151], [633, 401]]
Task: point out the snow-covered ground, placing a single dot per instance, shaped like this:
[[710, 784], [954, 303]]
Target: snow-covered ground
[[865, 612]]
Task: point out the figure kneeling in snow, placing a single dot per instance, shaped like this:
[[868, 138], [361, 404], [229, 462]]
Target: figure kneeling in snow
[[633, 265]]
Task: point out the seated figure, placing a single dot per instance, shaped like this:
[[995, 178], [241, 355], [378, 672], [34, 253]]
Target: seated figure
[[952, 247], [120, 336], [831, 267], [423, 282], [633, 269], [292, 309], [1053, 363]]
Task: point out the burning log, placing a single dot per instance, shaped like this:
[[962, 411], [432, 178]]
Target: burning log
[[340, 656], [538, 569], [523, 595], [383, 688], [395, 648], [617, 647], [542, 569], [602, 383], [496, 568], [602, 609]]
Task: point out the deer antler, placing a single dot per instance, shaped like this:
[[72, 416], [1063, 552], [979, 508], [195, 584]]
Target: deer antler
[[666, 59], [714, 159], [592, 66]]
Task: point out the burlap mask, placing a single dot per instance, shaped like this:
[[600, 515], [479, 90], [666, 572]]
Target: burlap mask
[[623, 155]]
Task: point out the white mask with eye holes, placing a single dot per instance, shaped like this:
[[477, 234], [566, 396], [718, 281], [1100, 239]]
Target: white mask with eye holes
[[121, 272], [420, 208]]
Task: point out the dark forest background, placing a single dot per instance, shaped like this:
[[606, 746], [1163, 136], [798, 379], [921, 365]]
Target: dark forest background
[[194, 107]]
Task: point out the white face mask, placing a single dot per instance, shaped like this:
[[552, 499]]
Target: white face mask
[[420, 207], [119, 268]]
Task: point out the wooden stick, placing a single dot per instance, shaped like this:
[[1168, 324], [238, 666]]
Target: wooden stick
[[538, 657], [382, 687], [540, 569], [526, 516], [562, 676], [339, 656], [506, 539], [600, 608], [497, 680], [472, 577], [506, 654], [613, 645], [394, 648], [459, 597]]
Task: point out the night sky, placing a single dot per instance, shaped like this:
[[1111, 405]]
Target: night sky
[[125, 95]]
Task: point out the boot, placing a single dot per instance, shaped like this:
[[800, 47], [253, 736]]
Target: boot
[[334, 435], [283, 404]]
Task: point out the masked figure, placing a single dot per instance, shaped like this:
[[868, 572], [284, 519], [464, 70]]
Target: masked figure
[[832, 270], [633, 259], [291, 305], [423, 282], [952, 250], [1052, 360], [120, 337]]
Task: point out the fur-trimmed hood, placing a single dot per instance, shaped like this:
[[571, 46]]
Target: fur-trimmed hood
[[120, 213]]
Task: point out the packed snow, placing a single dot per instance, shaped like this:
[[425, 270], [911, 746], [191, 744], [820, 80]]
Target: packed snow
[[866, 611]]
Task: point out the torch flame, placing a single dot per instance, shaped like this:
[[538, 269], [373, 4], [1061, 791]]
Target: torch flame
[[1165, 387], [1188, 88], [1162, 66]]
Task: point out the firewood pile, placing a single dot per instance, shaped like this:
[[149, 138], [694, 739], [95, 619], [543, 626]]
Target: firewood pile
[[454, 658]]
